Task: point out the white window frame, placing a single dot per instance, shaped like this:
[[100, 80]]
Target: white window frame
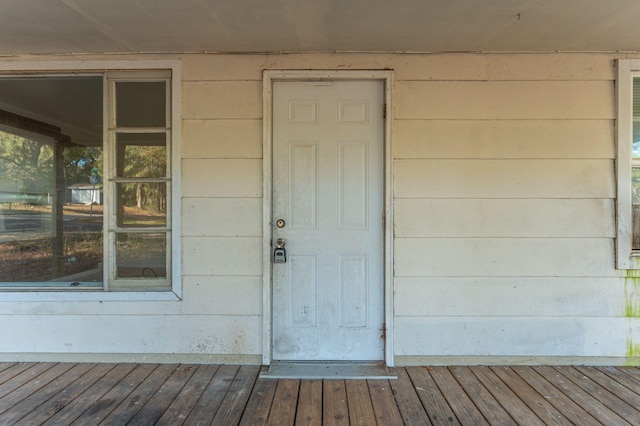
[[11, 67], [626, 257]]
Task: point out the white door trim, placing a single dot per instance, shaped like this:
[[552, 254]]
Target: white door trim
[[267, 166]]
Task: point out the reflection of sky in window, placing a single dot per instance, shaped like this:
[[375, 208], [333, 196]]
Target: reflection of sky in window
[[636, 149]]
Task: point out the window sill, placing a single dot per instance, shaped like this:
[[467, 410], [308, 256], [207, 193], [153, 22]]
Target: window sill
[[87, 296]]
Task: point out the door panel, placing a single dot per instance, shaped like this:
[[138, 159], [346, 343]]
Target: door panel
[[328, 181]]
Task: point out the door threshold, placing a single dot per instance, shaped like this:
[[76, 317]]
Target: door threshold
[[326, 370]]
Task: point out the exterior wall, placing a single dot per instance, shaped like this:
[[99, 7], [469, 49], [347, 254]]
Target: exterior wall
[[504, 225]]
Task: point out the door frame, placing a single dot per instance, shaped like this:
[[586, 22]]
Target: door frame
[[268, 78]]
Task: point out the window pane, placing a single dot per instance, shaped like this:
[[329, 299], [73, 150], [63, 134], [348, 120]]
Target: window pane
[[141, 255], [142, 204], [141, 104], [43, 238], [636, 118], [141, 155]]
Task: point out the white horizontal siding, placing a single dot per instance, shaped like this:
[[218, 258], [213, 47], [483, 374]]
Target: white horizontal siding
[[562, 336], [512, 297], [240, 178], [228, 295], [153, 334], [222, 99], [567, 100], [222, 217], [515, 67], [490, 218], [450, 178], [506, 257], [495, 139], [503, 195], [222, 138], [222, 256]]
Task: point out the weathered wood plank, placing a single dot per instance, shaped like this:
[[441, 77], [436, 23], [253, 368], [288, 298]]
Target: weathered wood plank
[[590, 404], [309, 403], [408, 402], [135, 401], [283, 409], [513, 405], [6, 365], [434, 403], [35, 384], [464, 409], [608, 398], [211, 398], [384, 404], [37, 397], [179, 409], [41, 413], [481, 397], [359, 403], [236, 399], [24, 376], [631, 371], [156, 406], [560, 401], [143, 394], [334, 403], [88, 398], [628, 391], [106, 403], [545, 411], [259, 404], [620, 374]]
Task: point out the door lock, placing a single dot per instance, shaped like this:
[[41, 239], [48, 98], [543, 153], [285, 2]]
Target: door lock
[[280, 253]]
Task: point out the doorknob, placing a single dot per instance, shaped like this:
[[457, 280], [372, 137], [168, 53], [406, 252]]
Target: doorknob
[[280, 243]]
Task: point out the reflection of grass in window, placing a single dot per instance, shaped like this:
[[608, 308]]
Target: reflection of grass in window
[[141, 217], [31, 260], [141, 255]]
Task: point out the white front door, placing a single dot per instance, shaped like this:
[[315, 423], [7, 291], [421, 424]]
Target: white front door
[[328, 204]]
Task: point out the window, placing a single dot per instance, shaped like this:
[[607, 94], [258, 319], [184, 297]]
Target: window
[[628, 165], [86, 181]]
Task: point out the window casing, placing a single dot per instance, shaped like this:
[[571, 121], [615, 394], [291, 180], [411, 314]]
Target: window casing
[[628, 165], [133, 182]]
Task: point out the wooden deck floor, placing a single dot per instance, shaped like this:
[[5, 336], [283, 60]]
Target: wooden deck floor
[[147, 394]]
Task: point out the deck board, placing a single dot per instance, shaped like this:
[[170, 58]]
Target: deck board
[[539, 405], [309, 403], [191, 394], [624, 409], [409, 404], [516, 407], [481, 397], [178, 410], [560, 401], [335, 410], [36, 397], [590, 404], [72, 409]]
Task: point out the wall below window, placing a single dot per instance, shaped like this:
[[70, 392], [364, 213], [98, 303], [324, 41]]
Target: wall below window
[[504, 190]]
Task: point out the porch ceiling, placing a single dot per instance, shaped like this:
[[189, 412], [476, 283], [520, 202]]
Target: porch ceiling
[[98, 26]]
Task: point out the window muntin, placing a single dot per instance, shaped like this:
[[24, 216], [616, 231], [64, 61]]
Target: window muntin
[[129, 180], [139, 228]]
